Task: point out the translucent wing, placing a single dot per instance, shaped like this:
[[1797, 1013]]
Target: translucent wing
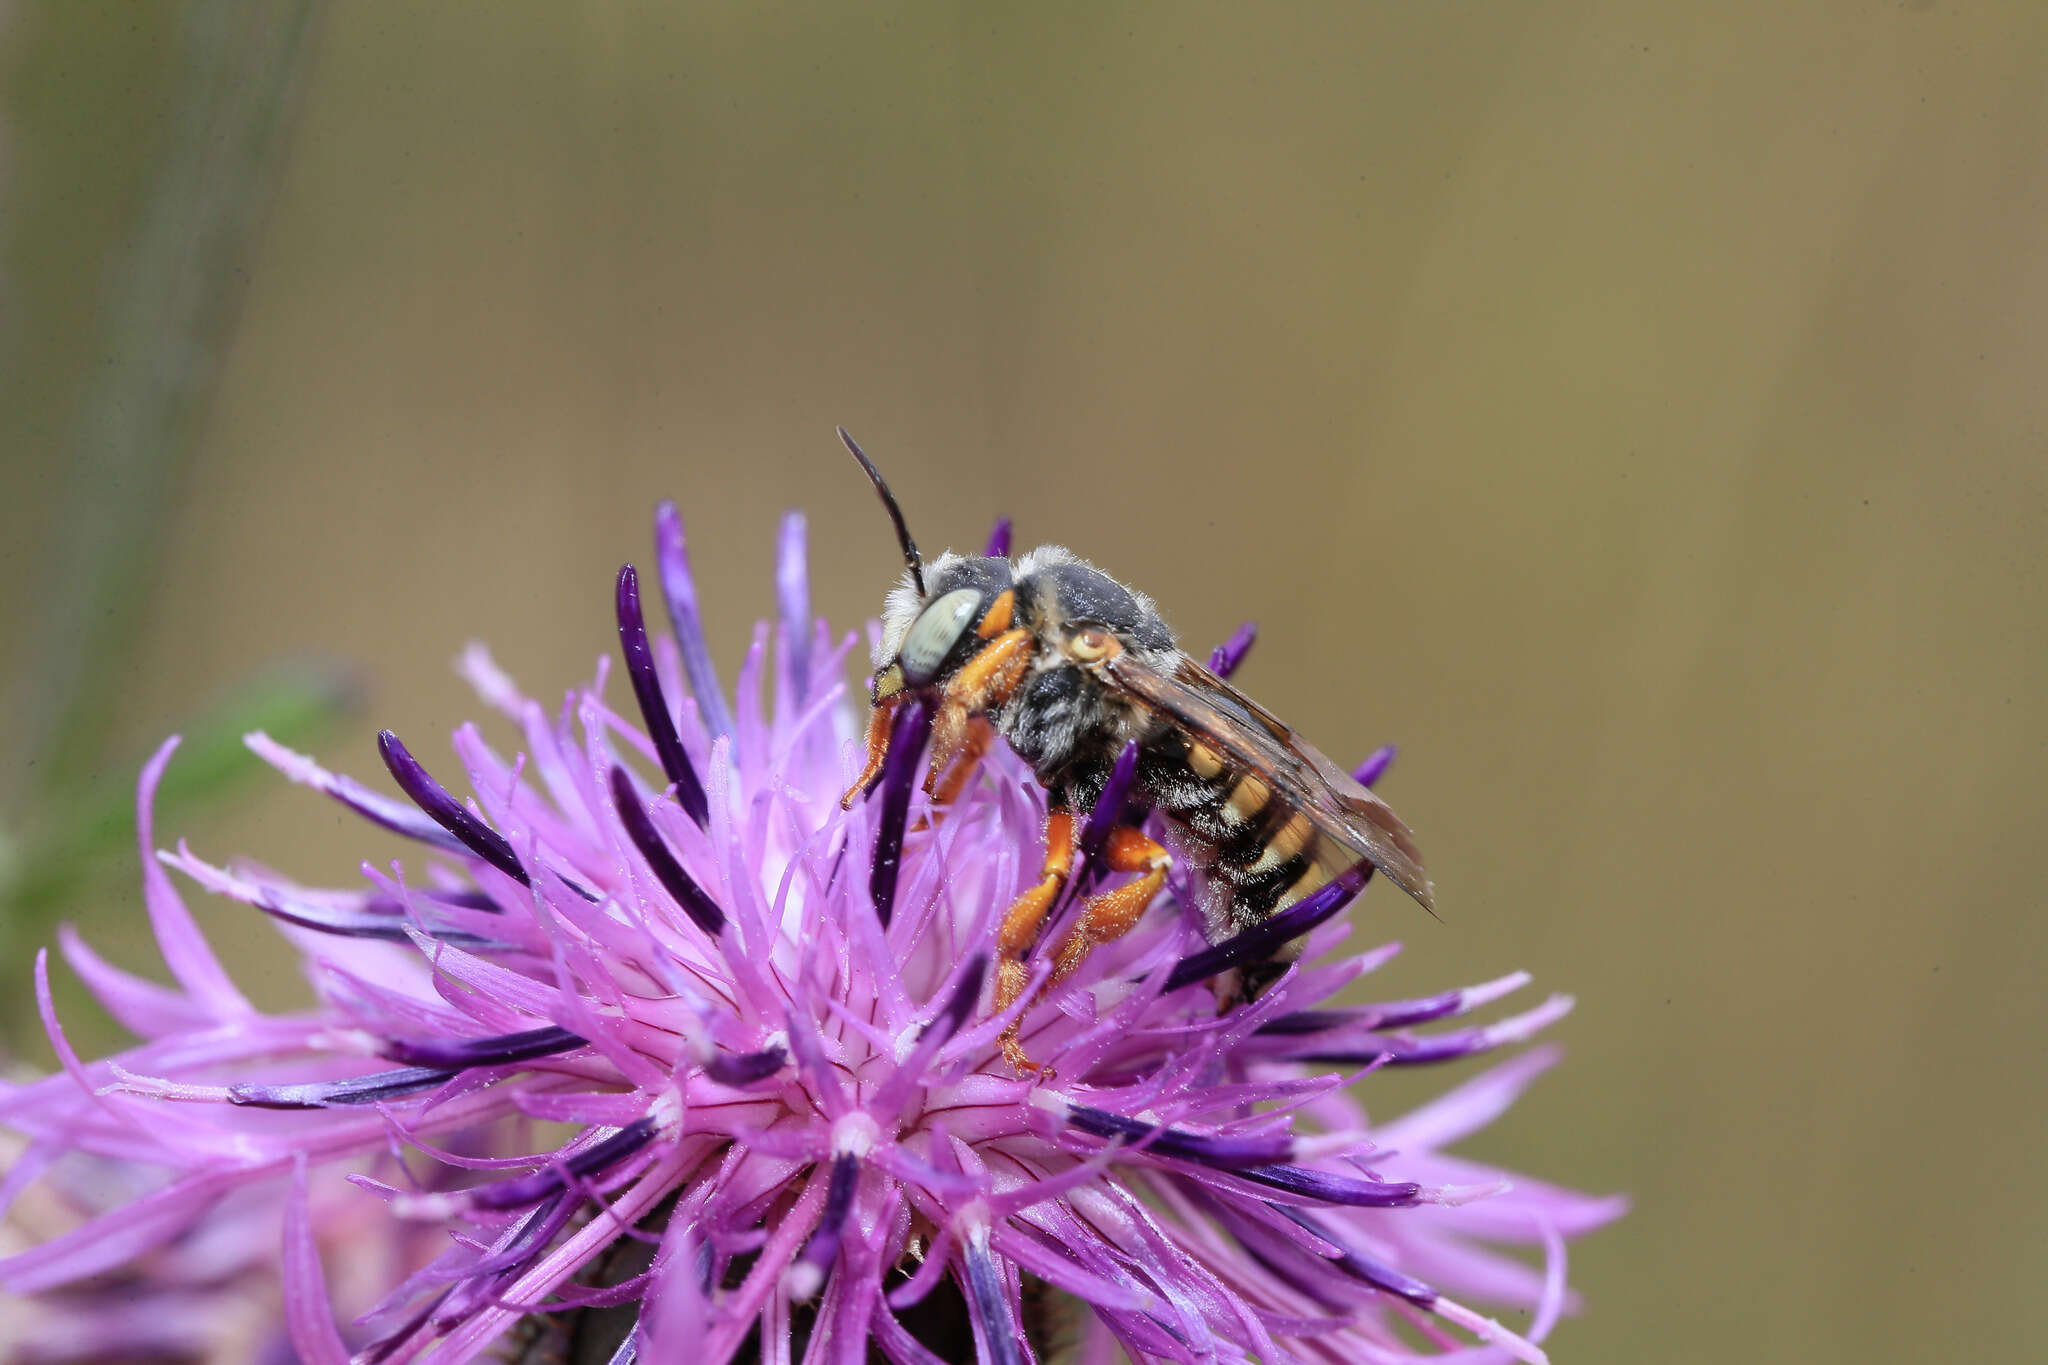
[[1252, 738]]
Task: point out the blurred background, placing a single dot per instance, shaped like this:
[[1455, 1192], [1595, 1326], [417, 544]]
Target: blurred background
[[1636, 413]]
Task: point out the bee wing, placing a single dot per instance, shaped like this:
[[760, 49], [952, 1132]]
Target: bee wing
[[1252, 738]]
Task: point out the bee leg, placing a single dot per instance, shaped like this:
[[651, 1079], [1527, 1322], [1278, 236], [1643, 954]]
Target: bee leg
[[984, 681], [979, 735], [1111, 915], [964, 764], [879, 721], [1022, 923]]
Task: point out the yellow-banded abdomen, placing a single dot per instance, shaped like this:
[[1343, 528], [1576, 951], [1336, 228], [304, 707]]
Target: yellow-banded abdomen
[[1258, 853]]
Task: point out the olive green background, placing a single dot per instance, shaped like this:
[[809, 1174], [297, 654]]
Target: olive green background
[[1636, 411]]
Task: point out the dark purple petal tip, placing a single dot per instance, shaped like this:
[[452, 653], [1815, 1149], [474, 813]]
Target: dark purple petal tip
[[678, 883], [1225, 658], [1404, 1013], [1259, 943], [991, 1304], [371, 1089], [1326, 1188], [661, 727], [961, 1003], [503, 1050], [1108, 809], [1375, 766], [375, 917], [445, 811], [744, 1068], [1387, 1050], [998, 540], [823, 1247], [1225, 1153], [1395, 1014], [1381, 1277], [553, 1178], [899, 775], [1305, 1021]]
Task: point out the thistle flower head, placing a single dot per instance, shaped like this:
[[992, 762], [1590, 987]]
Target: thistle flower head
[[658, 1041]]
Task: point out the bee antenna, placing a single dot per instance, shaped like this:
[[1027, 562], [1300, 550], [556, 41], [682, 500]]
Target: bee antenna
[[910, 555]]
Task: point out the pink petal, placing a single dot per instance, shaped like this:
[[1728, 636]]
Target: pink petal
[[308, 1314], [177, 935], [141, 1006]]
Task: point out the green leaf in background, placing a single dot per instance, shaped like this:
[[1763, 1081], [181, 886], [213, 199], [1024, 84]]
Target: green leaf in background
[[43, 865]]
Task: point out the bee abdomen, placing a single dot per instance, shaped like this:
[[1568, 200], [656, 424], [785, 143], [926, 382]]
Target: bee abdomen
[[1196, 787], [1261, 849]]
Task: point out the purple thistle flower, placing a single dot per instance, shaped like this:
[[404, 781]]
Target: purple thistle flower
[[761, 1021]]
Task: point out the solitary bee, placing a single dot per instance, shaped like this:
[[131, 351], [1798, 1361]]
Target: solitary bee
[[1069, 666]]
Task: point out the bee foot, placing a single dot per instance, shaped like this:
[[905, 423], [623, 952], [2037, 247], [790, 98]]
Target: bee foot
[[1020, 1061]]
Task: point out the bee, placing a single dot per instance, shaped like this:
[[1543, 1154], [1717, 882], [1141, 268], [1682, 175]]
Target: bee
[[1069, 666]]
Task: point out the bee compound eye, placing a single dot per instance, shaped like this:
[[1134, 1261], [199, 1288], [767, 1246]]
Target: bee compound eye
[[1091, 643], [932, 636]]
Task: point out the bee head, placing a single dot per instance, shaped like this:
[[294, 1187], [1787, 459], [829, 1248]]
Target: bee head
[[928, 634], [936, 619], [930, 621]]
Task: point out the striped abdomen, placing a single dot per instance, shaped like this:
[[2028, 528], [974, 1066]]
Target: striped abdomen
[[1257, 854]]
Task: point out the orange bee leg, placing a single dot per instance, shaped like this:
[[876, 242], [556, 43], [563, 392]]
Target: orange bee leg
[[980, 734], [879, 721], [966, 759], [949, 736], [1022, 923], [1112, 914], [984, 681], [1000, 613]]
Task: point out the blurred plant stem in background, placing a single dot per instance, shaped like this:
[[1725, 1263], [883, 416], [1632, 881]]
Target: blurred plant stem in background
[[170, 292]]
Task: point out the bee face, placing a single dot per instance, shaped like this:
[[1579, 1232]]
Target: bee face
[[927, 635]]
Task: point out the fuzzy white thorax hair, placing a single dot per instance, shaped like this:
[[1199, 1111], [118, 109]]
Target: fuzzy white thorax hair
[[900, 609]]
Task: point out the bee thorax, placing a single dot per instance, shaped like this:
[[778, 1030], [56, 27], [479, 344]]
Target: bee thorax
[[1065, 724]]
